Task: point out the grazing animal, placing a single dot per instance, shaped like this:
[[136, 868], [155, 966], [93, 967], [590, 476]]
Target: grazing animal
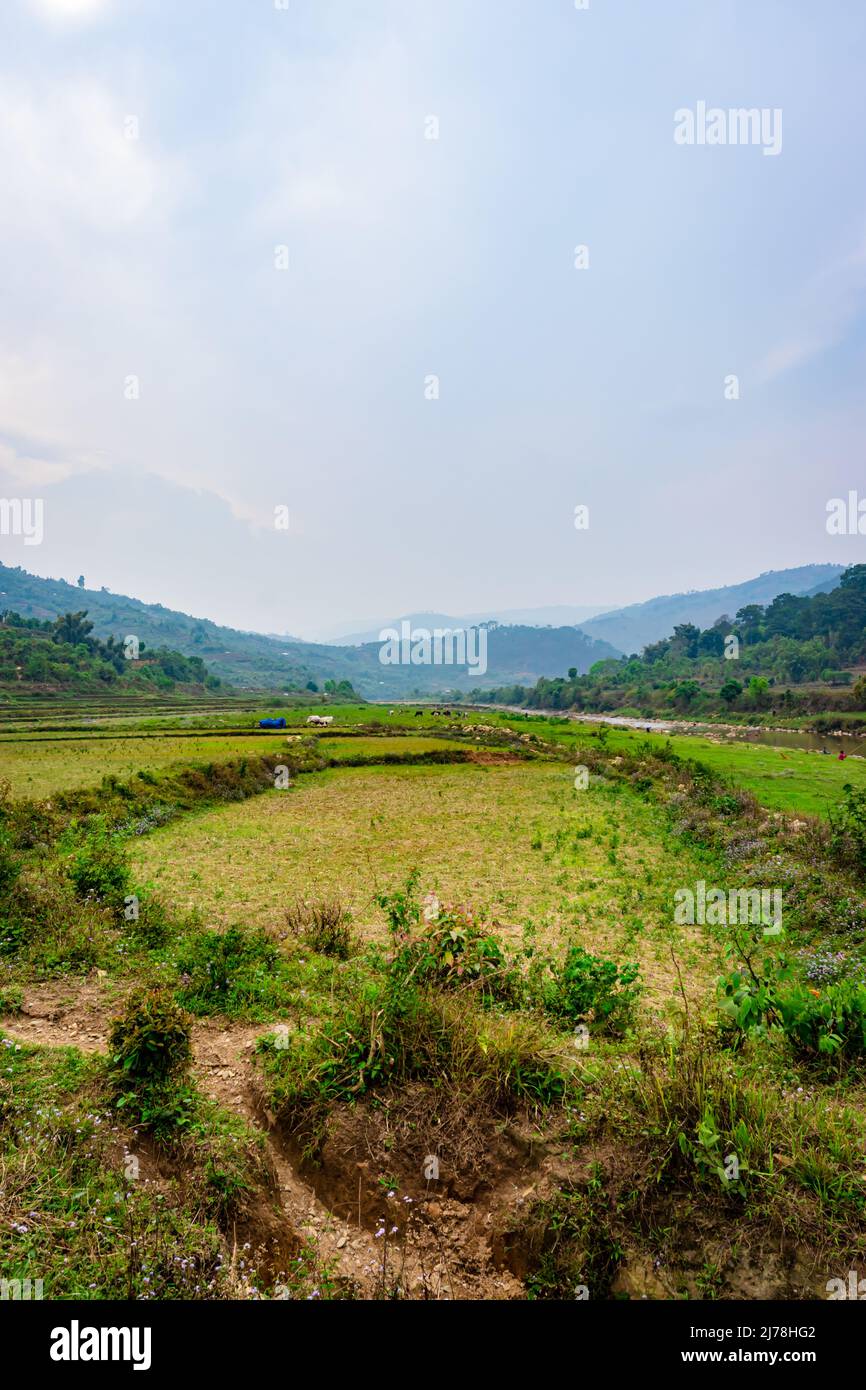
[[320, 719], [418, 713]]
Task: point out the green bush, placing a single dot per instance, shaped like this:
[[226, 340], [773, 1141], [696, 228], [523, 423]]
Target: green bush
[[98, 868], [443, 945], [10, 867], [593, 989], [150, 1040], [149, 1056], [453, 950], [757, 996], [848, 828], [401, 908], [11, 999], [228, 971], [829, 1021], [749, 993], [396, 1032]]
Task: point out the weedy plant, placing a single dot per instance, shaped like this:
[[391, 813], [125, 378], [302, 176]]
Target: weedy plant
[[588, 987], [760, 995], [150, 1052], [848, 828], [228, 972], [97, 867], [324, 926]]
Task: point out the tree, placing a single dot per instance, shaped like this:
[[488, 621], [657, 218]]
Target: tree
[[73, 628], [685, 638], [731, 691], [81, 581], [686, 692], [711, 642], [749, 619], [572, 673]]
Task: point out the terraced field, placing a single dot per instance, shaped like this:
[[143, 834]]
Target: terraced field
[[433, 985], [37, 766]]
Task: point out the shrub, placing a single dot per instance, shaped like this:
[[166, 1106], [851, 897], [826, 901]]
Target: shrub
[[396, 1032], [829, 1021], [150, 1040], [595, 989], [56, 930], [10, 867], [153, 926], [401, 908], [149, 1056], [749, 993], [848, 828], [323, 926], [11, 999], [452, 949], [443, 945], [228, 970], [756, 997], [98, 868]]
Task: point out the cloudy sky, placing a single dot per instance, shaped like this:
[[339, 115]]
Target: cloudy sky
[[165, 385]]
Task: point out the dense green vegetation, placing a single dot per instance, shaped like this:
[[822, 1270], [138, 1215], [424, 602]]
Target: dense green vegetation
[[64, 652]]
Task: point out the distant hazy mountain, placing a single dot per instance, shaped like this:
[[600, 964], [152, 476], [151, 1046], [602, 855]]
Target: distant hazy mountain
[[370, 633], [632, 628], [554, 615]]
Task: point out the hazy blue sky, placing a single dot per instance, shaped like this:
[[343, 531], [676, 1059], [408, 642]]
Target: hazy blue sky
[[305, 127]]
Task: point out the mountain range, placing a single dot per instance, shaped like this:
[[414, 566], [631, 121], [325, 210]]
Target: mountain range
[[517, 652], [633, 628]]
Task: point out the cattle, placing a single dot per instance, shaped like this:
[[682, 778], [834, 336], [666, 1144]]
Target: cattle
[[321, 719], [418, 713]]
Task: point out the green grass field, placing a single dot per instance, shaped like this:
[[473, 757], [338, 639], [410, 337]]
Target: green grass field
[[783, 779], [517, 843], [794, 780], [38, 762]]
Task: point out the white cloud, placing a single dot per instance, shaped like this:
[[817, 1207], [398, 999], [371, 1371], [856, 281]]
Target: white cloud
[[65, 157], [29, 471], [66, 10]]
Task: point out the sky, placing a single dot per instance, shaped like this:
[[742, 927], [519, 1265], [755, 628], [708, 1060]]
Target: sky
[[234, 259]]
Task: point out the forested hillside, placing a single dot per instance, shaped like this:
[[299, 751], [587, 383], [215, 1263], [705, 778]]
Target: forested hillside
[[799, 653], [65, 653]]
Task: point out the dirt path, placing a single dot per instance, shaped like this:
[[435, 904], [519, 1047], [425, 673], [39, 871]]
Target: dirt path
[[444, 1259]]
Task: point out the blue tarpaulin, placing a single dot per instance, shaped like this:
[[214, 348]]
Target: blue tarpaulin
[[272, 723]]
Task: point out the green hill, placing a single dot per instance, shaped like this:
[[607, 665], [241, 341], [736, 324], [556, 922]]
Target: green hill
[[252, 660], [64, 654]]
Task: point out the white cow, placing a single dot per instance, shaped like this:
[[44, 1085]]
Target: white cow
[[320, 719]]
